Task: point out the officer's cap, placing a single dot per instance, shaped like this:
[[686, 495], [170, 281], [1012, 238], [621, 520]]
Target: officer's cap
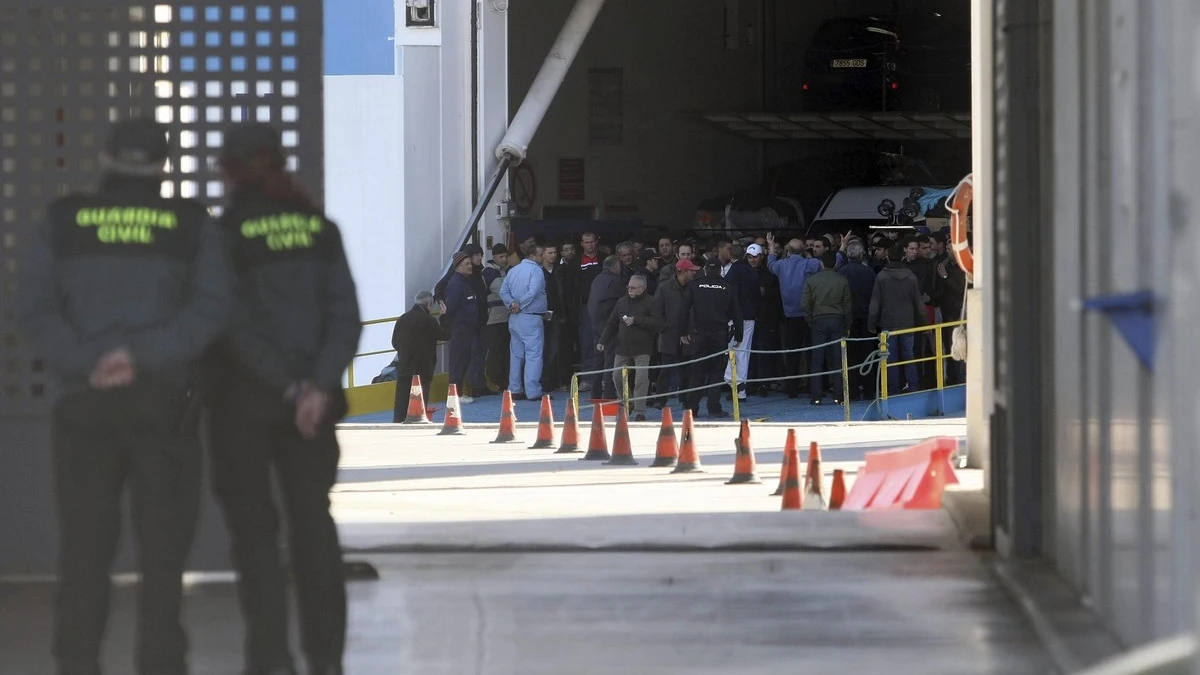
[[135, 147], [246, 139]]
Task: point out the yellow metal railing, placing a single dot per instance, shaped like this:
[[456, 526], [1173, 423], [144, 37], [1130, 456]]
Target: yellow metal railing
[[380, 352], [939, 356]]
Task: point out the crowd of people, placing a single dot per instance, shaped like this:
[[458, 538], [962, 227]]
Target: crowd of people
[[526, 320]]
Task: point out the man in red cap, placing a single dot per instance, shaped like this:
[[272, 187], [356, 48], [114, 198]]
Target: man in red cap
[[672, 296]]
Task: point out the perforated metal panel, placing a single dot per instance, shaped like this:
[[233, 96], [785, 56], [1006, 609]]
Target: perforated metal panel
[[67, 69]]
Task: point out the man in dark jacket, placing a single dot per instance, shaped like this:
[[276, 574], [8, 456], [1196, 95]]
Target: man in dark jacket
[[479, 347], [744, 278], [767, 330], [590, 263], [862, 284], [828, 305], [672, 298], [951, 285], [462, 308], [122, 291], [415, 340], [603, 296], [552, 369], [631, 332], [896, 304], [712, 305], [568, 278]]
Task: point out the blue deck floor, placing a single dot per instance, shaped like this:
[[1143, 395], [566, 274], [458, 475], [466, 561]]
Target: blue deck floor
[[776, 407]]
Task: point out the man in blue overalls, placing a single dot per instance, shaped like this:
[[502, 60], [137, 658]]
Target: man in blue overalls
[[524, 291]]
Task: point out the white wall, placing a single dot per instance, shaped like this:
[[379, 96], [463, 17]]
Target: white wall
[[364, 176], [675, 66]]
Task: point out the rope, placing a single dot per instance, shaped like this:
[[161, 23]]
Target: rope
[[864, 368], [725, 352]]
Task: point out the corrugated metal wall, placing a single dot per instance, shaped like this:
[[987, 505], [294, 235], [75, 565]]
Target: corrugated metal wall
[[1122, 218]]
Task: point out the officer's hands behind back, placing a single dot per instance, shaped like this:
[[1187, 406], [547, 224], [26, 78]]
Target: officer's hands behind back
[[310, 410], [115, 369]]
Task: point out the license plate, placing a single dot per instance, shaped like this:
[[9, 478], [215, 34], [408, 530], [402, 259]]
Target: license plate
[[849, 63]]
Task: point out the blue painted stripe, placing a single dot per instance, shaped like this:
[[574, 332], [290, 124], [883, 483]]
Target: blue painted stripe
[[357, 36]]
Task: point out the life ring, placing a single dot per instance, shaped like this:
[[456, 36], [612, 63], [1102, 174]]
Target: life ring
[[958, 204]]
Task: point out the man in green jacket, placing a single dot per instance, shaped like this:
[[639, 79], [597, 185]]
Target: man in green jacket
[[830, 310]]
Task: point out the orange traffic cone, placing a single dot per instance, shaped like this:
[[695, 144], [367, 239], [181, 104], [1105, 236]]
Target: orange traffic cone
[[598, 443], [416, 404], [837, 493], [667, 450], [570, 431], [545, 435], [453, 426], [689, 461], [813, 499], [791, 484], [744, 466], [508, 420], [622, 453], [782, 475]]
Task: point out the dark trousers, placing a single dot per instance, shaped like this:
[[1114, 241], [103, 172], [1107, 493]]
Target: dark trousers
[[602, 385], [497, 353], [859, 351], [100, 450], [673, 378], [795, 335], [460, 351], [404, 390], [475, 367], [568, 348], [551, 368], [246, 450], [764, 366], [956, 371], [829, 358], [710, 372], [589, 358]]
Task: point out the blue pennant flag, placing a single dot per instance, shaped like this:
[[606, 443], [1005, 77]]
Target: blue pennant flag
[[1132, 314]]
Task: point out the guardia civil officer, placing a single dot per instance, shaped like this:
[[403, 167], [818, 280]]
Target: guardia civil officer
[[122, 292], [277, 378], [708, 311]]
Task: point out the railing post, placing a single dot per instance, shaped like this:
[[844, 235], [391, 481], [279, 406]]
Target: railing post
[[883, 374], [941, 375], [733, 384], [625, 387], [350, 373], [575, 393], [845, 379]]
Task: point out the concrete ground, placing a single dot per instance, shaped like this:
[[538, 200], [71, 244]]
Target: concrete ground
[[498, 559]]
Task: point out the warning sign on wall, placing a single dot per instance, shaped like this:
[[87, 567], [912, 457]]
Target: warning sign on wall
[[571, 187]]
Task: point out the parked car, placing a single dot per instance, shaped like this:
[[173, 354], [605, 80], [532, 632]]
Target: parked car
[[919, 61], [886, 207], [851, 66]]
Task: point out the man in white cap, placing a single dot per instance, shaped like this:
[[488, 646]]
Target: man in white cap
[[743, 274]]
